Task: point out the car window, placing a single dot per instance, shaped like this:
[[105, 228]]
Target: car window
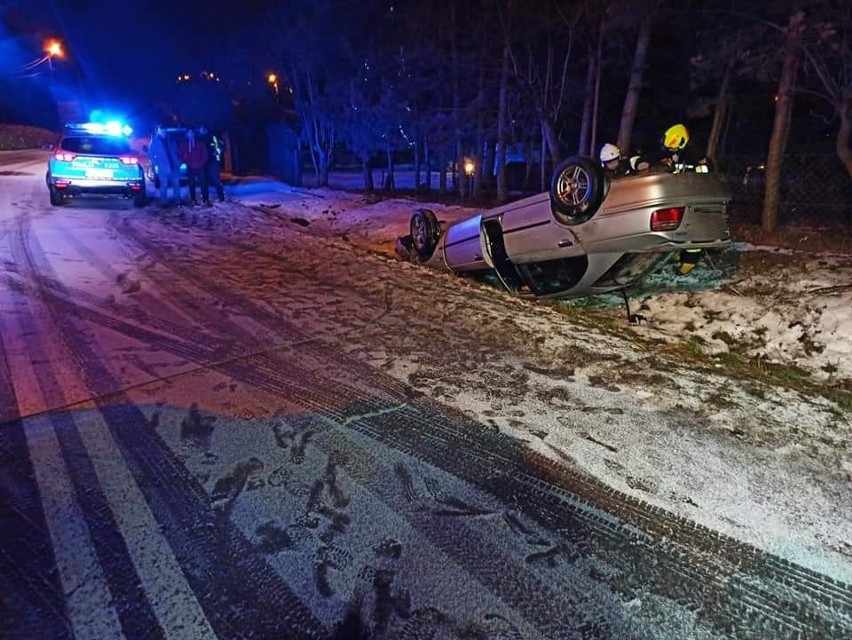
[[96, 145], [553, 276]]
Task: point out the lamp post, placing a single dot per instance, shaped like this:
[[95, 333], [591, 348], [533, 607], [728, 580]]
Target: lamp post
[[469, 171], [272, 79], [53, 49]]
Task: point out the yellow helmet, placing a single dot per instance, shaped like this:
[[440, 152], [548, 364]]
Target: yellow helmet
[[676, 137]]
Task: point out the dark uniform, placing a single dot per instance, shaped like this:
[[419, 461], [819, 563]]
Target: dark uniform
[[216, 147]]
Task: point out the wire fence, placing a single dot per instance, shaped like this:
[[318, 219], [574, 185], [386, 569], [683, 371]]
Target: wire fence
[[815, 189]]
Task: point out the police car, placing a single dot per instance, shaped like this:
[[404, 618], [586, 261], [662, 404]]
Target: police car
[[95, 159]]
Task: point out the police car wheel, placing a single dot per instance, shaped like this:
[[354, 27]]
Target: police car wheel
[[56, 198], [424, 233], [576, 189], [140, 199]]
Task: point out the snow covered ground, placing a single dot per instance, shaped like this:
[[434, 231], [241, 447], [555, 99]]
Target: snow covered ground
[[780, 306], [743, 453]]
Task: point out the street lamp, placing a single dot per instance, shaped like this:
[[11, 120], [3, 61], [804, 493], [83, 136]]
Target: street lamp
[[272, 79], [53, 49]]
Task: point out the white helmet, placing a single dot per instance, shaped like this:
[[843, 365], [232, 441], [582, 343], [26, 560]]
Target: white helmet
[[609, 152]]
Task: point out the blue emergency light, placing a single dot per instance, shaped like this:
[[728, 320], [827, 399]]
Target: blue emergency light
[[111, 128]]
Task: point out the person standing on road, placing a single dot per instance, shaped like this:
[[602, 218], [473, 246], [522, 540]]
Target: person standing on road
[[163, 153], [215, 149], [194, 153]]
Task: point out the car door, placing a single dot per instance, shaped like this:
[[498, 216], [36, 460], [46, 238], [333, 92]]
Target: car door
[[531, 233], [462, 247]]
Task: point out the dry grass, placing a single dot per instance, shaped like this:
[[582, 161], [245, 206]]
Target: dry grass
[[22, 137], [832, 237]]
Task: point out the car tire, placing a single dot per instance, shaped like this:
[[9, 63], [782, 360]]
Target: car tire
[[425, 231], [140, 199], [56, 198], [577, 189]]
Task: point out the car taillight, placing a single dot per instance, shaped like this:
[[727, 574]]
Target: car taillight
[[129, 159], [666, 219], [64, 156]]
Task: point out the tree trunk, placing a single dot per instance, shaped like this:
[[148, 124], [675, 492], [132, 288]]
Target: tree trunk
[[722, 104], [637, 73], [502, 129], [476, 180], [390, 184], [458, 178], [529, 162], [322, 176], [720, 115], [458, 174], [548, 130], [417, 167], [427, 159], [585, 147], [593, 138], [369, 185], [844, 143], [487, 172], [781, 125]]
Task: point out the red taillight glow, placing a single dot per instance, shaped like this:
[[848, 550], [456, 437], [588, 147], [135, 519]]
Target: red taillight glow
[[129, 160], [64, 156], [666, 219]]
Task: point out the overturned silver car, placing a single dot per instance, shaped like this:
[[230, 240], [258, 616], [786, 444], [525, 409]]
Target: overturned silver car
[[588, 234]]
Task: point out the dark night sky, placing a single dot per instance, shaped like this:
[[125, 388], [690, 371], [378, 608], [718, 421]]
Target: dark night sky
[[126, 54]]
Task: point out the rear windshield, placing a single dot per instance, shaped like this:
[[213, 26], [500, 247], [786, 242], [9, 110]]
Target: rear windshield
[[96, 145]]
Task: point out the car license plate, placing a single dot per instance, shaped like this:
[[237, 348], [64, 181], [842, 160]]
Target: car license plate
[[100, 174]]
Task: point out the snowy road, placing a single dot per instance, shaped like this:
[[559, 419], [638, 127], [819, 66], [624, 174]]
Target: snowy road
[[207, 431]]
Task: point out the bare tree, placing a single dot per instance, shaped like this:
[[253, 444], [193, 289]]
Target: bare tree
[[781, 125], [539, 56], [844, 133], [828, 56], [306, 44], [502, 128], [637, 74]]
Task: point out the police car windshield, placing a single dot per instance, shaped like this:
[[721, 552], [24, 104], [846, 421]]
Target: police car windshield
[[99, 146]]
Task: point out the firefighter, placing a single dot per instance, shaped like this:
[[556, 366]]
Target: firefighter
[[613, 163], [679, 155]]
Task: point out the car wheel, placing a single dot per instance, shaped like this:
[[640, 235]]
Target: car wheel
[[576, 189], [425, 231], [56, 198]]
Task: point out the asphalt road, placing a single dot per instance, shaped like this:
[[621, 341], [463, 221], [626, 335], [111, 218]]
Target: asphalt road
[[205, 434]]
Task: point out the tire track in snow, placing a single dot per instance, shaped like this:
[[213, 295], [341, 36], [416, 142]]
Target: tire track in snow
[[742, 577], [214, 556]]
